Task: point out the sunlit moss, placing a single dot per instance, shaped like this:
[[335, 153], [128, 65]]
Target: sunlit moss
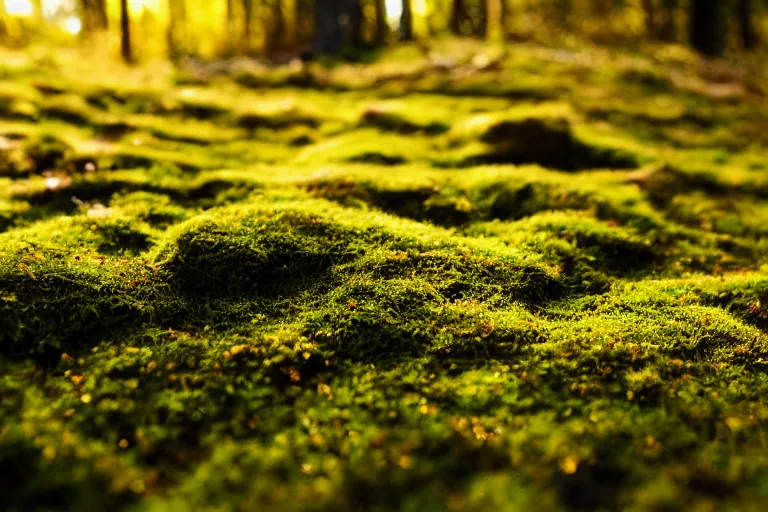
[[223, 297]]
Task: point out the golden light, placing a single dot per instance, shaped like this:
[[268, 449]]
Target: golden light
[[73, 25], [144, 5], [394, 9], [51, 7], [19, 7]]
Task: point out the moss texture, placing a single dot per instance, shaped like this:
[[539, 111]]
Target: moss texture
[[311, 290]]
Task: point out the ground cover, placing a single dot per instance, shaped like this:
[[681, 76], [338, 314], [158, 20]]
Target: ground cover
[[529, 278]]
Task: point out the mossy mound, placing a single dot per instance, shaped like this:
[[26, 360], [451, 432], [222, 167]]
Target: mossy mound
[[546, 141]]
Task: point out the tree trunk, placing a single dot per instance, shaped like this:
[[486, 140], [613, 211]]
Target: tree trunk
[[406, 22], [481, 29], [504, 16], [125, 33], [565, 10], [230, 21], [601, 7], [650, 18], [3, 27], [356, 24], [86, 15], [382, 26], [669, 27], [458, 15], [247, 24], [708, 26], [176, 17], [276, 30], [101, 20], [329, 34], [748, 34]]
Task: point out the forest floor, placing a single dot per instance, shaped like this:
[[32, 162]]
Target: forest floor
[[490, 281]]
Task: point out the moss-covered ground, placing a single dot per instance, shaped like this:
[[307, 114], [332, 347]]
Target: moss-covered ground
[[535, 278]]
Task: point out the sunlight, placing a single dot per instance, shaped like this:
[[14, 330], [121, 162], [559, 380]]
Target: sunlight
[[394, 9], [18, 7], [73, 25], [51, 7], [144, 5]]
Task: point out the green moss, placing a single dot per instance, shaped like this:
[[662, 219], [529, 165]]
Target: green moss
[[218, 298]]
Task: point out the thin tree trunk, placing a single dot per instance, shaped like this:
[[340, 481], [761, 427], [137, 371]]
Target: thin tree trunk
[[356, 24], [748, 34], [481, 28], [86, 15], [601, 7], [125, 33], [708, 26], [247, 24], [230, 21], [3, 27], [171, 34], [504, 18], [650, 18], [669, 27], [565, 10], [382, 27], [101, 20], [276, 31], [458, 15], [329, 34], [406, 21]]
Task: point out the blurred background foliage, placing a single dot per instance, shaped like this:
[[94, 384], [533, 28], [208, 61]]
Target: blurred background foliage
[[280, 30]]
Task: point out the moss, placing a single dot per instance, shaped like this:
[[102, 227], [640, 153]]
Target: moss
[[547, 141], [392, 121], [34, 155], [280, 121], [302, 298]]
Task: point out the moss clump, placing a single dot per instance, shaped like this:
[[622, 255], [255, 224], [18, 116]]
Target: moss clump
[[50, 304], [392, 121], [259, 253], [548, 142], [33, 155]]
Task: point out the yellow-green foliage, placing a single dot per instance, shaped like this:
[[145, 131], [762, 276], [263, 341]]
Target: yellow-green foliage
[[229, 298]]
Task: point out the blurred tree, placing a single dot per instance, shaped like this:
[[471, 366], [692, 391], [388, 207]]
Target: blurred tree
[[382, 26], [93, 15], [275, 29], [668, 29], [3, 22], [565, 13], [247, 25], [406, 21], [459, 16], [125, 33], [102, 19], [356, 19], [230, 28], [650, 17], [748, 34], [708, 23], [177, 20], [329, 31], [304, 19], [601, 7], [480, 28]]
